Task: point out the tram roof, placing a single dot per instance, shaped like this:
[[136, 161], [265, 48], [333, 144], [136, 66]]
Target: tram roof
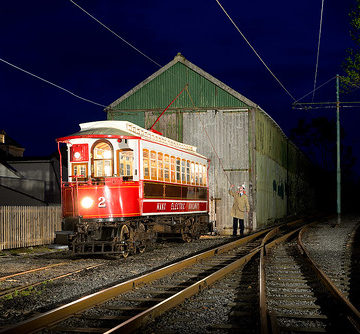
[[126, 129]]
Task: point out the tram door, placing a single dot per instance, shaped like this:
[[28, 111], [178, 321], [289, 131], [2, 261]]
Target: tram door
[[126, 164]]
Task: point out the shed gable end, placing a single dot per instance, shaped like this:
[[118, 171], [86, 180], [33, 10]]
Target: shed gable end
[[156, 92]]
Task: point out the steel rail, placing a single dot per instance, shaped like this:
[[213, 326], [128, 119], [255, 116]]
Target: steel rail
[[63, 312], [352, 312], [262, 285], [4, 278], [265, 246], [27, 286], [148, 315]]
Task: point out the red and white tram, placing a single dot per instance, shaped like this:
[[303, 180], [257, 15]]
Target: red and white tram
[[126, 185]]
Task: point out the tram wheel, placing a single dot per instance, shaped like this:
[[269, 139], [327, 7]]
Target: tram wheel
[[186, 237], [141, 247], [123, 234], [187, 232]]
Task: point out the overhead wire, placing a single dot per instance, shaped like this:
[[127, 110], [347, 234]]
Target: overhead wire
[[315, 89], [51, 83], [66, 90], [318, 49], [114, 33], [253, 49], [324, 107], [194, 106]]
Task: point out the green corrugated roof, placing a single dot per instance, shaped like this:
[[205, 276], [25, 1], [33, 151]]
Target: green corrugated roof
[[157, 91]]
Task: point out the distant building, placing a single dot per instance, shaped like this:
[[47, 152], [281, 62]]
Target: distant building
[[27, 181], [9, 147]]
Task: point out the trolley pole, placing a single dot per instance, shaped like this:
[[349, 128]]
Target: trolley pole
[[338, 167]]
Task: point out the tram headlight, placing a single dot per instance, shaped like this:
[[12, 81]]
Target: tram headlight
[[87, 202]]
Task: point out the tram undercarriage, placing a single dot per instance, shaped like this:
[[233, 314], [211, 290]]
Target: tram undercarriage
[[130, 236]]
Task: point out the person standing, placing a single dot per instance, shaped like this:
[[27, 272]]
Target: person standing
[[240, 206]]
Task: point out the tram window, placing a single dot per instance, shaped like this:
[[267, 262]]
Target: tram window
[[188, 172], [125, 163], [79, 170], [183, 171], [172, 167], [153, 165], [192, 177], [160, 167], [178, 174], [197, 173], [204, 175], [201, 178], [146, 164], [102, 159], [166, 168]]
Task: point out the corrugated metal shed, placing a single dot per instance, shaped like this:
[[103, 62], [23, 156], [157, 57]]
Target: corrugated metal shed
[[228, 132], [156, 92], [244, 143], [144, 103]]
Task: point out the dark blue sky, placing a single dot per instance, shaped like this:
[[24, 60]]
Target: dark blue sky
[[57, 41]]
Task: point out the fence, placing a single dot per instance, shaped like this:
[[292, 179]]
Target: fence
[[24, 226]]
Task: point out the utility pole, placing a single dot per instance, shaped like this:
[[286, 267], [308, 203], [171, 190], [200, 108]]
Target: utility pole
[[338, 167], [321, 105]]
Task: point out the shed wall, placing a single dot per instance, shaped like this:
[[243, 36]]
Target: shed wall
[[228, 132], [271, 170], [282, 174], [136, 117], [270, 191], [301, 192]]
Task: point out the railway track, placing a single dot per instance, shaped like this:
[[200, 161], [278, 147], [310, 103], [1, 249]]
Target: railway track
[[300, 311], [170, 286], [354, 248], [29, 279], [300, 297], [131, 305]]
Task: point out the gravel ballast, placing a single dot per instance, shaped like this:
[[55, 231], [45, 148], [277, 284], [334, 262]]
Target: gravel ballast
[[62, 291], [327, 242]]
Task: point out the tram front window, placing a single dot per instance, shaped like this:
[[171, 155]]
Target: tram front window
[[102, 159]]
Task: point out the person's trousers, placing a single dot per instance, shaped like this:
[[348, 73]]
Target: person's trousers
[[238, 222]]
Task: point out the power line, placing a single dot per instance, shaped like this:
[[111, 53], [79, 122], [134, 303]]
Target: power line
[[186, 86], [315, 89], [310, 107], [318, 49], [252, 48], [114, 33], [328, 102], [51, 83]]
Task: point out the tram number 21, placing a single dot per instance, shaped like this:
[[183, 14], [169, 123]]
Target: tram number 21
[[102, 203]]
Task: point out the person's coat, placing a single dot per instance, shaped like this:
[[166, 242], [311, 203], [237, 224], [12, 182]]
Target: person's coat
[[240, 206]]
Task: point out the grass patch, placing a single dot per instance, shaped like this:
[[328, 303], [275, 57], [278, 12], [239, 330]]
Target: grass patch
[[23, 293]]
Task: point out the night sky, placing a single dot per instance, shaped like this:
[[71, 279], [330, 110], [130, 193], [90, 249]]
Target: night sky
[[58, 42]]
